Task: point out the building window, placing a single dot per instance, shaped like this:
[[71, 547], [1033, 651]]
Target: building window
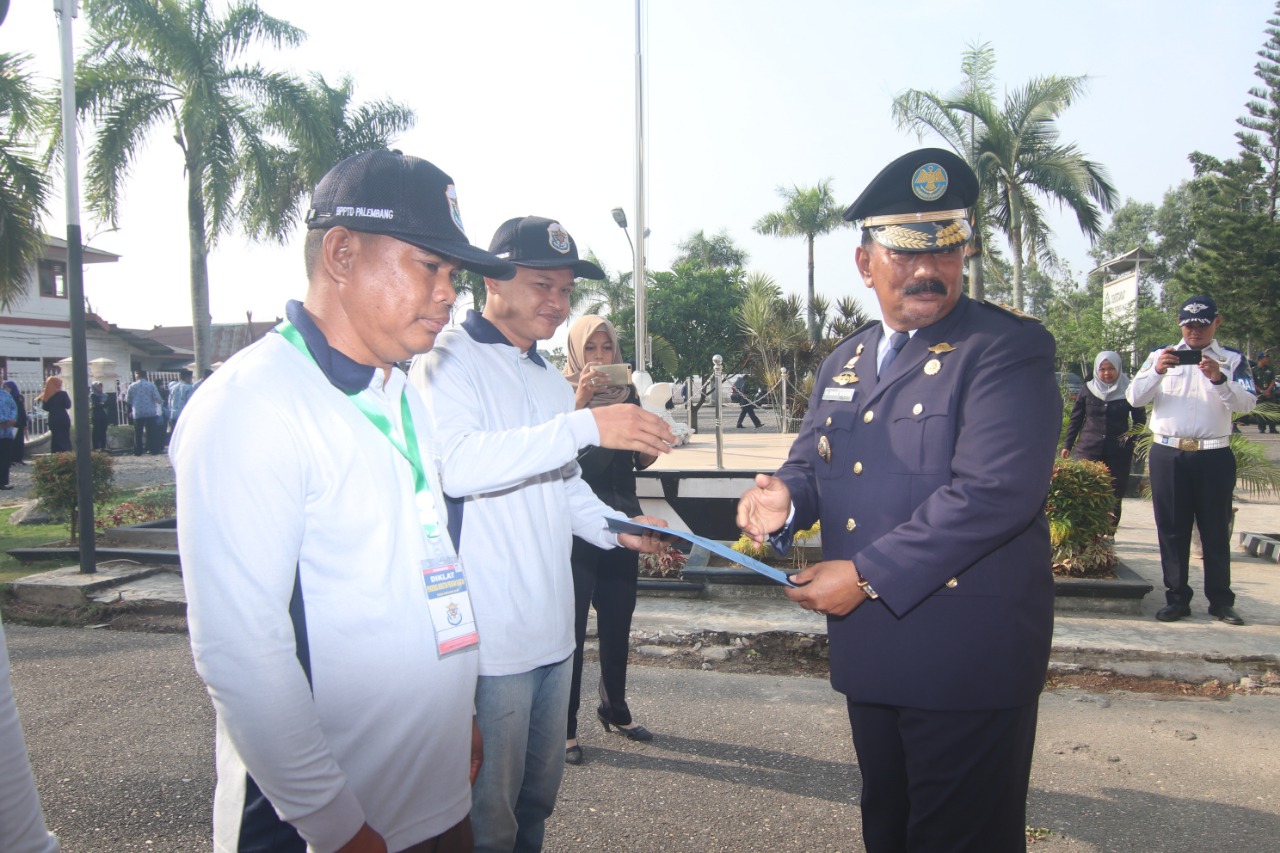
[[53, 279]]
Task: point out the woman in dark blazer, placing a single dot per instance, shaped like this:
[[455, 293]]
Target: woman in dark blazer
[[603, 579], [1099, 424], [57, 404]]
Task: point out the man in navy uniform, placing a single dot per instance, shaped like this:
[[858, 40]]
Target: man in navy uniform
[[1193, 470], [926, 453]]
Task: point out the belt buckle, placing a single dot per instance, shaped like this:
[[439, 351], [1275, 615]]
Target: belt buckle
[[1188, 444]]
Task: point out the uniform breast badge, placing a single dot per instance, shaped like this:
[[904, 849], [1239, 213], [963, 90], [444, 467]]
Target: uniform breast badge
[[824, 448], [933, 365], [845, 378]]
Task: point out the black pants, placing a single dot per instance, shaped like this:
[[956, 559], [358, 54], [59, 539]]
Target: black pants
[[748, 411], [943, 781], [100, 432], [154, 428], [1194, 487], [607, 581], [1119, 463]]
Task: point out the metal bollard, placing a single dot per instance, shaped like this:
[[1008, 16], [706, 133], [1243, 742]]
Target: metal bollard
[[718, 371], [783, 413]]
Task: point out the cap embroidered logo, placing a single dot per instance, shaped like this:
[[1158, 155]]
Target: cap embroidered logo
[[929, 182]]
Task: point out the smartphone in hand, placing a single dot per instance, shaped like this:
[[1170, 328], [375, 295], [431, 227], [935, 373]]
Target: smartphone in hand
[[1188, 356]]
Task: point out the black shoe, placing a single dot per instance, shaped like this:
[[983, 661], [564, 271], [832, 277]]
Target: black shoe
[[573, 754], [6, 487], [1173, 612], [634, 733], [1225, 613]]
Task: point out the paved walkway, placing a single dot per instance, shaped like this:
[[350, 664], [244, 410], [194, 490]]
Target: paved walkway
[[1195, 649]]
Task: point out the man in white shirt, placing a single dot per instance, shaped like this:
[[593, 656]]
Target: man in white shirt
[[1193, 388], [328, 612], [510, 437]]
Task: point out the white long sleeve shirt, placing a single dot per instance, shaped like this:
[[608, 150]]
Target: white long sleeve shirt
[[1185, 404], [509, 438], [302, 556], [22, 827]]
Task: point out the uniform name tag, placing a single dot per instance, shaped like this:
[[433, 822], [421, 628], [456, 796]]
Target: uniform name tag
[[449, 605], [843, 395]]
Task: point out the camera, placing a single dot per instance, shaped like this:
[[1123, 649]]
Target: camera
[[618, 375]]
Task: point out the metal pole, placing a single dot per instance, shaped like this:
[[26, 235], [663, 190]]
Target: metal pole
[[718, 371], [642, 333], [66, 10], [783, 413]]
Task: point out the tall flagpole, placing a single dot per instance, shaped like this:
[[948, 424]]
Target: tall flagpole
[[66, 10], [642, 332]]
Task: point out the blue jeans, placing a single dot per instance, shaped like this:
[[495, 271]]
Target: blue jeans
[[521, 718]]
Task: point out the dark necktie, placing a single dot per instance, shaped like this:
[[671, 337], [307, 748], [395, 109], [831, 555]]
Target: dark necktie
[[897, 341]]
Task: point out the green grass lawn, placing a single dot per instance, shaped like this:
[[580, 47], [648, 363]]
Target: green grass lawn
[[26, 536], [32, 535]]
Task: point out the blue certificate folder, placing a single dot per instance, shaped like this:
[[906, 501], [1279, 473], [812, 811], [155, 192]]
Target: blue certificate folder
[[622, 525]]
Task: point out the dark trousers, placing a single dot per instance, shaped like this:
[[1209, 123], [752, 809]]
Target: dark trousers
[[605, 580], [457, 839], [100, 432], [1119, 463], [943, 781], [6, 459], [1193, 487], [748, 411], [154, 429]]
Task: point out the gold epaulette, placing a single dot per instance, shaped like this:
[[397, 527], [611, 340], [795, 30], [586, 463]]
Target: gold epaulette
[[1010, 310]]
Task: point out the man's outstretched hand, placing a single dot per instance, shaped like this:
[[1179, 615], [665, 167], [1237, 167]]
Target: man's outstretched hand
[[764, 508]]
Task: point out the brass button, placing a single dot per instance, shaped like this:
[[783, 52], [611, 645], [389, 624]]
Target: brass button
[[951, 584], [917, 409], [850, 525], [857, 467], [828, 422], [868, 416]]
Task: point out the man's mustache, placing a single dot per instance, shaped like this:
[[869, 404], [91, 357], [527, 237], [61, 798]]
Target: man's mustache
[[928, 286]]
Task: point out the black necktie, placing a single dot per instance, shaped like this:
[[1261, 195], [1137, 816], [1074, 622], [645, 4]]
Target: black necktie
[[897, 341]]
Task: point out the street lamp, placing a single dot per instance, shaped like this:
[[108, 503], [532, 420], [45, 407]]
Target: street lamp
[[642, 361]]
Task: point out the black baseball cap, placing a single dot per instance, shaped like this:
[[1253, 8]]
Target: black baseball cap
[[387, 192], [919, 202], [540, 243], [1198, 309]]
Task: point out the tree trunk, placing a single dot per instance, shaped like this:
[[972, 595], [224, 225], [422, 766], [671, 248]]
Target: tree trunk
[[976, 288], [1015, 243], [813, 320], [196, 235]]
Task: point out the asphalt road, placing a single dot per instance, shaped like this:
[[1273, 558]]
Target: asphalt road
[[121, 737]]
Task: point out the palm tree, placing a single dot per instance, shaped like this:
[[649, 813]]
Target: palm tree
[[809, 213], [608, 296], [718, 250], [271, 206], [24, 189], [1015, 151], [176, 65]]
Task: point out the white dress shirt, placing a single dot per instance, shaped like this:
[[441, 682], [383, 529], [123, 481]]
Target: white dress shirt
[[1184, 403]]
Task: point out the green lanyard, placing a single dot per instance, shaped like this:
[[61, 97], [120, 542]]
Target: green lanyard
[[425, 500]]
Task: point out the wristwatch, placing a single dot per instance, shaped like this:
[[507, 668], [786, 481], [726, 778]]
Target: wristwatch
[[866, 585]]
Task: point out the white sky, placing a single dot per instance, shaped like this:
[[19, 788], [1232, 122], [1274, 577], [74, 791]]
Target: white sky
[[530, 107]]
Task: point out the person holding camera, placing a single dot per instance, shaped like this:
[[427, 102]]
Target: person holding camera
[[1193, 388], [605, 579]]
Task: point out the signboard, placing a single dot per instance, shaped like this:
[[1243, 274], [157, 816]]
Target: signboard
[[1120, 299]]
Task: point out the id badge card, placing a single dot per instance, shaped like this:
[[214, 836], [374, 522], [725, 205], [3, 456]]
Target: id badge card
[[449, 605]]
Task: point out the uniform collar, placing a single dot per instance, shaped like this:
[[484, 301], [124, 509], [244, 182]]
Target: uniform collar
[[344, 373], [484, 332]]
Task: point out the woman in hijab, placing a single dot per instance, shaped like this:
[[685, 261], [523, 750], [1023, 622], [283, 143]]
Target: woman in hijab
[[1099, 423], [605, 579], [57, 403], [17, 444]]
